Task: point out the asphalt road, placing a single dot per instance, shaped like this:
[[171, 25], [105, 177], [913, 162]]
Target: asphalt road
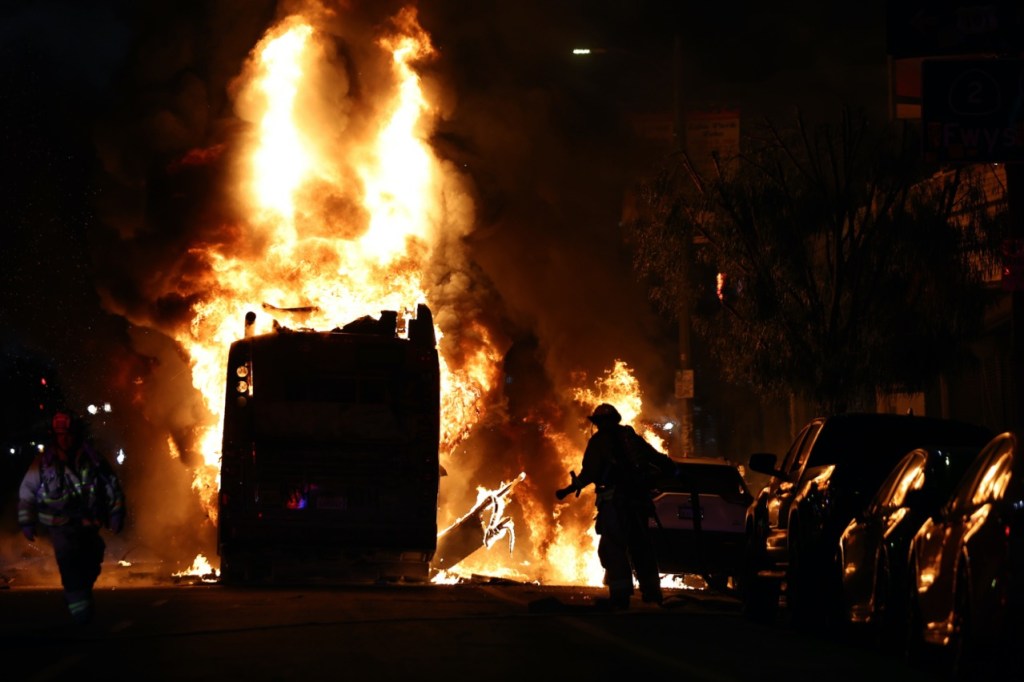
[[482, 630]]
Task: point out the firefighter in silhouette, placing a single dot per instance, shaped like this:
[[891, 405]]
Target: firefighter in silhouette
[[623, 467], [73, 492]]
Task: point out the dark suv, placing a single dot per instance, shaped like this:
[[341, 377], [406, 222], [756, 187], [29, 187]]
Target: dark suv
[[833, 467]]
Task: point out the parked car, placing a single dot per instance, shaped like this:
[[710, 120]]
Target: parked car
[[967, 567], [873, 547], [699, 524], [831, 469]]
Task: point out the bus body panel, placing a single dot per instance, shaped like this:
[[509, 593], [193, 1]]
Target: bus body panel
[[330, 462]]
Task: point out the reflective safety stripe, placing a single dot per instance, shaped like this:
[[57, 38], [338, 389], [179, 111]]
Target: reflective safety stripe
[[67, 493], [48, 519], [79, 606]]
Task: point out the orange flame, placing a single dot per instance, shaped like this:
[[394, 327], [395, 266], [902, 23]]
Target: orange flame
[[564, 542], [200, 568], [345, 205], [620, 388], [372, 255]]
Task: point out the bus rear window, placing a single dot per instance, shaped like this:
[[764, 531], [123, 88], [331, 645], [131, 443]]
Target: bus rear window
[[327, 422]]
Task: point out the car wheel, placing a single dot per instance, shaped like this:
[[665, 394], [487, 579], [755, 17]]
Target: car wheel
[[886, 633], [961, 644], [798, 583], [834, 604], [231, 570], [759, 596], [719, 582], [913, 637]]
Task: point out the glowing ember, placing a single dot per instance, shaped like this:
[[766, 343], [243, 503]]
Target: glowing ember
[[446, 578], [200, 568]]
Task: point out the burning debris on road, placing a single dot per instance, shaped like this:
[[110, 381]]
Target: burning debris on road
[[480, 527]]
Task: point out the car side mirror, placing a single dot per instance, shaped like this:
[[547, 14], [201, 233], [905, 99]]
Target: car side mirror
[[764, 463]]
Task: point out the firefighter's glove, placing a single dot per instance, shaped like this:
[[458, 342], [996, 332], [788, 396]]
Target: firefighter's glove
[[116, 523], [29, 532], [573, 487]]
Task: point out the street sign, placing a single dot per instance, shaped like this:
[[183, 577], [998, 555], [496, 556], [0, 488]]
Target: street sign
[[973, 110], [932, 28], [905, 88], [684, 384]]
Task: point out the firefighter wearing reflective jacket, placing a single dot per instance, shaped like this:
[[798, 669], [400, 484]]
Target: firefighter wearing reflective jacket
[[622, 466], [73, 492]]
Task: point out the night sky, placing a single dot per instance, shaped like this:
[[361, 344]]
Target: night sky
[[99, 96]]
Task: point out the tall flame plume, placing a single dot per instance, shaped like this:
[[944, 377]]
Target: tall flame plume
[[344, 206]]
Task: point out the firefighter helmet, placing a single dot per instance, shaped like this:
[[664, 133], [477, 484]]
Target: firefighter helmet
[[605, 414], [61, 422]]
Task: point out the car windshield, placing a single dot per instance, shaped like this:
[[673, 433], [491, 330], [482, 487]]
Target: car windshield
[[712, 479]]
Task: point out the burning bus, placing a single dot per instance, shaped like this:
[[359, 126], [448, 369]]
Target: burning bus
[[323, 188], [330, 463]]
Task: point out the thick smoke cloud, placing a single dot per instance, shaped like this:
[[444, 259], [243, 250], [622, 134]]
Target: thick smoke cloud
[[101, 96], [119, 169], [550, 157]]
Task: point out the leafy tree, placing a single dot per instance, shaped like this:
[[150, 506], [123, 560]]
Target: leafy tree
[[822, 260]]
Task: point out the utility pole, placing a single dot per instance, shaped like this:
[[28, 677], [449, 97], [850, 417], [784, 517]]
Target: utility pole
[[684, 385], [1015, 262]]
